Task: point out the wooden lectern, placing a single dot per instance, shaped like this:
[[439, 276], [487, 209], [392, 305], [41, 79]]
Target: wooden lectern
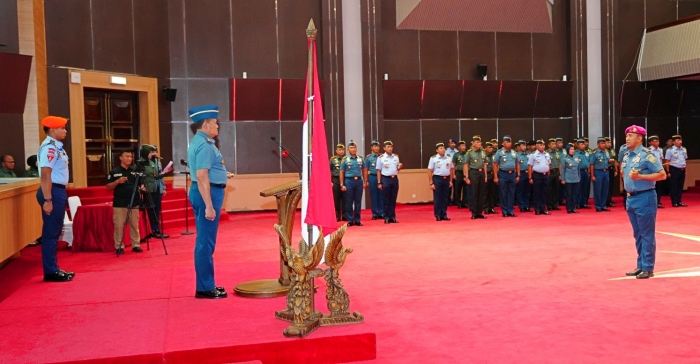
[[288, 196]]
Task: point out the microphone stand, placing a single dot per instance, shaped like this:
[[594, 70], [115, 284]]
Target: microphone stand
[[187, 214], [296, 160]]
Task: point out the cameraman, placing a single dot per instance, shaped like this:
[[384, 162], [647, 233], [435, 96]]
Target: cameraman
[[155, 186], [121, 179]]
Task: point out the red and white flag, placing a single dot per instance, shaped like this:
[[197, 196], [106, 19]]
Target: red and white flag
[[317, 207]]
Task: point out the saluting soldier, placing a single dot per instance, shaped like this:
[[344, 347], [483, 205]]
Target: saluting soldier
[[538, 174], [583, 192], [440, 175], [476, 170], [676, 157], [554, 176], [507, 170], [460, 185], [52, 196], [612, 170], [600, 160], [523, 187], [658, 153], [352, 184], [641, 170], [370, 174], [490, 184], [388, 165], [338, 199]]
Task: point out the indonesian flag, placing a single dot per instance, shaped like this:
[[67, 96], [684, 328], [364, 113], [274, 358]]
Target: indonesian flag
[[317, 207]]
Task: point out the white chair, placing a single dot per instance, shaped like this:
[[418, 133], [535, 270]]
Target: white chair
[[67, 233], [73, 204]]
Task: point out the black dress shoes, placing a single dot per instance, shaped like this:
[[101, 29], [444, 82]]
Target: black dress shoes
[[445, 218], [68, 273], [660, 206], [351, 223], [358, 224], [645, 274], [393, 221], [213, 294], [480, 216], [474, 217], [512, 215], [59, 276], [585, 207], [545, 212], [555, 208], [634, 272], [159, 235], [120, 251], [137, 250], [598, 210], [386, 221], [221, 289], [605, 209], [682, 205], [374, 217]]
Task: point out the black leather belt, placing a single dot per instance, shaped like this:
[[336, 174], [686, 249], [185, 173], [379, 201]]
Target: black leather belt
[[544, 174], [604, 169], [394, 176], [478, 170], [216, 185], [503, 170], [638, 192], [58, 185], [681, 168], [354, 178]]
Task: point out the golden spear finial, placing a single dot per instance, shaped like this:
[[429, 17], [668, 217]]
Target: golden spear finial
[[311, 30]]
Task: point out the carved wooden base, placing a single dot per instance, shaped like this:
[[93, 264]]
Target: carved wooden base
[[349, 319], [303, 330], [264, 288], [285, 315]]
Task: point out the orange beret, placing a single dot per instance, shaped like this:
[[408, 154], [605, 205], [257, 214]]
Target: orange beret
[[54, 122]]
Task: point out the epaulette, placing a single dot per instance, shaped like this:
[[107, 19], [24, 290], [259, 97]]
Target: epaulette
[[52, 142], [646, 150], [368, 155]]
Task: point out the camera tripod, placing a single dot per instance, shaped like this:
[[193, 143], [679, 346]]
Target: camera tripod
[[150, 205]]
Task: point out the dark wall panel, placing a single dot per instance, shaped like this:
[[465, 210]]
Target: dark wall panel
[[254, 153], [151, 39], [551, 51], [629, 28], [442, 99], [474, 48], [292, 140], [517, 99], [176, 35], [623, 124], [164, 106], [553, 99], [438, 55], [59, 103], [227, 145], [255, 99], [13, 143], [399, 47], [209, 91], [480, 99], [660, 12], [552, 128], [9, 37], [663, 127], [514, 54], [293, 92], [689, 128], [635, 99], [254, 50], [64, 20], [435, 131], [166, 143], [690, 103], [688, 8], [402, 99], [516, 128], [208, 38], [487, 128], [407, 142], [112, 28], [294, 16], [664, 102]]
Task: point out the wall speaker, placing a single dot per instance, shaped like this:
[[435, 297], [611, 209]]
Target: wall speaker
[[481, 70], [169, 93]]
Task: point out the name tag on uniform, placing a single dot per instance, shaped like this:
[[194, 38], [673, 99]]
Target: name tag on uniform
[[117, 175]]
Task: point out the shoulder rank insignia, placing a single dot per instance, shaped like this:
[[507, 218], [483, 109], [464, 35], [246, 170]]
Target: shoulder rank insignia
[[52, 142], [651, 158], [646, 150]]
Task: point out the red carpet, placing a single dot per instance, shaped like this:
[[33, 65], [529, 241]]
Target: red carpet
[[534, 289]]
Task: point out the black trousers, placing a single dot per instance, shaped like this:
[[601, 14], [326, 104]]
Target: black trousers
[[390, 188], [539, 189], [338, 199], [491, 193], [460, 189], [441, 195], [677, 182], [553, 192], [154, 213], [478, 186]]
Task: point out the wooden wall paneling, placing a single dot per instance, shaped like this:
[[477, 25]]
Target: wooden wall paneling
[[205, 91], [550, 52], [242, 191], [406, 135], [438, 55], [689, 130], [59, 104], [442, 99], [253, 99], [332, 59], [255, 152], [514, 56], [516, 128], [292, 100], [687, 8], [151, 39], [635, 99], [552, 128], [400, 54], [402, 99], [15, 72], [293, 19], [176, 38], [554, 99], [480, 99], [9, 34], [517, 99], [291, 137], [165, 149], [664, 127], [486, 128], [208, 38], [475, 48], [65, 19], [629, 26], [255, 48], [164, 106], [19, 200], [113, 32], [434, 131], [659, 12], [13, 143], [226, 142]]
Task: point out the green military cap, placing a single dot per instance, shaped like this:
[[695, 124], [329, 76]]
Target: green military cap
[[352, 143], [607, 139], [653, 137], [677, 136], [462, 142], [388, 142], [585, 139], [552, 140], [494, 140], [601, 140], [489, 144], [539, 141], [340, 146], [476, 138]]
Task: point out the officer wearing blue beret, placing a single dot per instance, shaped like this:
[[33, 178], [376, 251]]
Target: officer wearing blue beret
[[352, 184], [209, 177], [370, 174]]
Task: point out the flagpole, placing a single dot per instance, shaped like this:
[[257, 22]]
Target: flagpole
[[311, 38]]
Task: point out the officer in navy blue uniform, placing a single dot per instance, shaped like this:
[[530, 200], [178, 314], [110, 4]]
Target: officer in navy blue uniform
[[676, 157], [641, 169], [538, 173], [583, 191], [523, 187], [388, 165], [206, 196], [620, 157], [440, 175], [352, 184], [370, 174], [600, 161], [52, 196], [658, 153], [507, 171]]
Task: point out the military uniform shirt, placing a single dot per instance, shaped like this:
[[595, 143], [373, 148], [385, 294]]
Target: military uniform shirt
[[613, 156], [451, 152], [642, 160], [458, 160], [585, 159], [540, 161], [52, 155], [388, 164], [352, 166], [571, 171], [335, 165], [489, 162], [506, 159], [476, 158], [7, 173], [600, 159], [371, 163], [440, 166], [523, 158], [203, 154], [677, 156], [658, 153], [31, 172], [623, 151], [555, 156]]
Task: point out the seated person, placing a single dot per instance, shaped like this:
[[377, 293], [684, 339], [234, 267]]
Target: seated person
[[8, 164], [126, 202], [33, 170]]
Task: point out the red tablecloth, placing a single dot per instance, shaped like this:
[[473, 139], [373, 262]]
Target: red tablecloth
[[93, 228]]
